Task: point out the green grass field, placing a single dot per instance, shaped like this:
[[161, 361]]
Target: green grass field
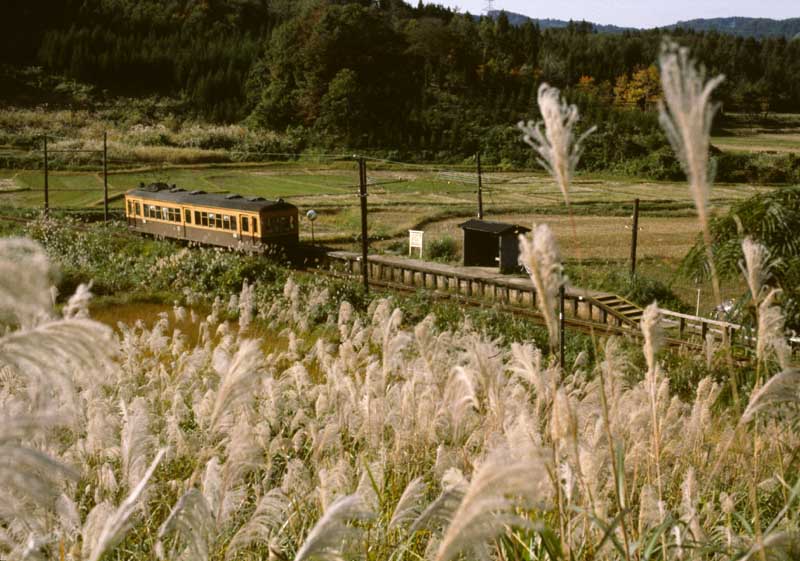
[[775, 132], [759, 142]]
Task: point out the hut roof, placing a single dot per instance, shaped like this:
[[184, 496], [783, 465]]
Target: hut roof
[[490, 227]]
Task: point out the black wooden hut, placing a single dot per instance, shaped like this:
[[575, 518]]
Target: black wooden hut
[[492, 244]]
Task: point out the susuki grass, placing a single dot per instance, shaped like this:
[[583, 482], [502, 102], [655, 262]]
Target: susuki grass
[[686, 114], [376, 440]]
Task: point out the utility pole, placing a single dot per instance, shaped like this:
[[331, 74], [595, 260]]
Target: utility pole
[[105, 176], [634, 237], [480, 187], [362, 183], [561, 327], [46, 180]]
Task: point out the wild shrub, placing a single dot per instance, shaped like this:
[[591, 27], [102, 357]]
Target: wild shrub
[[771, 219], [443, 249]]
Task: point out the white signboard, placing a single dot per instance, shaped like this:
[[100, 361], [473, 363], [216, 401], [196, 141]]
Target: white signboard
[[415, 241]]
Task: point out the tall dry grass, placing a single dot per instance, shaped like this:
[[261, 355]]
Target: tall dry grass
[[686, 115], [373, 440]]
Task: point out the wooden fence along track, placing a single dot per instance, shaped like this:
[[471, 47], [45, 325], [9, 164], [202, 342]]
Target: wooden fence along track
[[472, 282], [586, 310]]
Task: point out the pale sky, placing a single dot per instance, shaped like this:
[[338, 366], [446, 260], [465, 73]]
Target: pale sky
[[634, 13]]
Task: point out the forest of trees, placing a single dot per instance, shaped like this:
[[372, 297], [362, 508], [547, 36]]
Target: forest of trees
[[383, 73]]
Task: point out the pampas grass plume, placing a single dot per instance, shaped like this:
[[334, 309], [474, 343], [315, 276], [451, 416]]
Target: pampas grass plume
[[653, 334], [191, 518], [756, 267], [686, 114], [327, 538], [117, 523], [782, 388], [557, 147], [771, 334], [410, 504], [541, 260], [503, 483]]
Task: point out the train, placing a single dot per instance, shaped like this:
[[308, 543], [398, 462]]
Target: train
[[225, 220]]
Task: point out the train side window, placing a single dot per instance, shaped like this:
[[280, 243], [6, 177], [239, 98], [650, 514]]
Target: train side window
[[204, 217], [255, 225], [197, 217], [138, 212], [218, 221], [226, 222], [245, 224], [211, 219], [187, 216], [129, 208]]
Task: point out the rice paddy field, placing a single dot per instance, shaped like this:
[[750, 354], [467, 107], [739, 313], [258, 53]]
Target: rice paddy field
[[750, 141], [402, 198], [774, 133]]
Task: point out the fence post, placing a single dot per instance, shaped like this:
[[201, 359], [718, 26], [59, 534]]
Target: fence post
[[362, 183], [46, 180], [561, 313], [480, 187], [105, 176], [635, 237]]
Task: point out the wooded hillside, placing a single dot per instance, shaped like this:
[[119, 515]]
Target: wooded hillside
[[380, 74]]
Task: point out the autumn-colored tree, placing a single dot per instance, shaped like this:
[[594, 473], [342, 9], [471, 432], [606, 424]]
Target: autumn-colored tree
[[642, 89]]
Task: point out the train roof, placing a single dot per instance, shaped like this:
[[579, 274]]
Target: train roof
[[172, 194]]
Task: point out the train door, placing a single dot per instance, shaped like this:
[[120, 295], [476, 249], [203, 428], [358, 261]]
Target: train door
[[132, 210], [187, 219], [247, 232]]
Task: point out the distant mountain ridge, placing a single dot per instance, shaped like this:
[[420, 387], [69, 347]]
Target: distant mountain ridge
[[740, 26], [547, 23], [746, 27]]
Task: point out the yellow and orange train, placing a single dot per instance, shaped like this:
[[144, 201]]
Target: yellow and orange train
[[251, 223]]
